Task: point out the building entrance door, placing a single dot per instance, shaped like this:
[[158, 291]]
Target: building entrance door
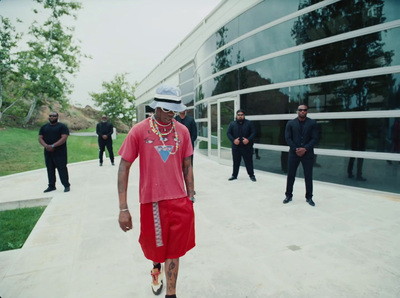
[[222, 113]]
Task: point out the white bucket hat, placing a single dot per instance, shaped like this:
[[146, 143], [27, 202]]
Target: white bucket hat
[[168, 97]]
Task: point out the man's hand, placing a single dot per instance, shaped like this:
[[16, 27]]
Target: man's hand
[[236, 141], [300, 151], [49, 148], [125, 221], [104, 137], [245, 141]]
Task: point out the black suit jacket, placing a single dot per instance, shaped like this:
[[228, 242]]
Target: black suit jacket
[[245, 130], [307, 138]]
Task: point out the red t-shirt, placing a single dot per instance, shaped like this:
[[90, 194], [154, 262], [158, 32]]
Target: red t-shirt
[[161, 176]]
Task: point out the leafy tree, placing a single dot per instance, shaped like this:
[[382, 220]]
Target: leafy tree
[[117, 100], [52, 55], [8, 43], [40, 74]]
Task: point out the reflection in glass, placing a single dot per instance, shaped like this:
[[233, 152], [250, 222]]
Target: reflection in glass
[[380, 174], [202, 129], [201, 111], [370, 134], [326, 97]]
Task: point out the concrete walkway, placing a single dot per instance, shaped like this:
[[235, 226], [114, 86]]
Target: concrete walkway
[[249, 244]]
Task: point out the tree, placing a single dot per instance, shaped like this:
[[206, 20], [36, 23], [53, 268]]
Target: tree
[[52, 55], [40, 74], [117, 100], [8, 43]]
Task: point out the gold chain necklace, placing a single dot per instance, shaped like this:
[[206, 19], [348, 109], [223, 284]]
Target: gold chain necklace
[[156, 130]]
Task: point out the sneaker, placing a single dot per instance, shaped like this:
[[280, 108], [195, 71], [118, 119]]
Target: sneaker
[[253, 178], [157, 280], [101, 164]]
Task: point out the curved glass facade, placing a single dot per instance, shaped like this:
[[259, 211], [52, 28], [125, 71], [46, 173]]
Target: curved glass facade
[[342, 58]]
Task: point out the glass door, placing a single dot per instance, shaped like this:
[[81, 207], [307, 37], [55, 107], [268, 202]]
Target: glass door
[[221, 114], [213, 144], [226, 115]]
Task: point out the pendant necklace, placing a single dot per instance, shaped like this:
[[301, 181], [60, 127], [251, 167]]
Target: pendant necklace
[[154, 127]]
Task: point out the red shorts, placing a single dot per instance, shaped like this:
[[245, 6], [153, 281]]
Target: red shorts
[[167, 229]]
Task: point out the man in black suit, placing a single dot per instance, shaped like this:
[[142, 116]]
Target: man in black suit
[[301, 135], [242, 133]]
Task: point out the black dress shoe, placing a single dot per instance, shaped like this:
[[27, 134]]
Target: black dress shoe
[[253, 178], [66, 189], [232, 178], [49, 189], [287, 200], [310, 201]]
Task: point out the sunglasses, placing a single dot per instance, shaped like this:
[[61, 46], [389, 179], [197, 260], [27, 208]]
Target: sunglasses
[[167, 111], [302, 110], [53, 115]]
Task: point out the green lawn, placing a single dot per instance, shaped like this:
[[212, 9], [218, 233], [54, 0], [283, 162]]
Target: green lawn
[[16, 225], [20, 150]]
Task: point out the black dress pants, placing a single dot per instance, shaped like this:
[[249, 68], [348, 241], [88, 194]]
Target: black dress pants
[[247, 153], [293, 164], [56, 161], [102, 145]]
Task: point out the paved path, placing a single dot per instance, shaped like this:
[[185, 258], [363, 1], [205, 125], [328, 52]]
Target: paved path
[[248, 243]]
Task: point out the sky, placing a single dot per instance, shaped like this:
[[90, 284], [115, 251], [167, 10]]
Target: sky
[[121, 36]]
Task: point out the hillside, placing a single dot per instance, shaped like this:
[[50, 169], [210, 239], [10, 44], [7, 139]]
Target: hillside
[[76, 118]]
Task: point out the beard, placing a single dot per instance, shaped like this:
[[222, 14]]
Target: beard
[[53, 121]]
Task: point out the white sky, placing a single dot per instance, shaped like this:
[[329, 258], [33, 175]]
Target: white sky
[[122, 36]]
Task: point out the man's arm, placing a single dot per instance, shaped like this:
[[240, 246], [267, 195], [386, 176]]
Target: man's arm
[[125, 219], [42, 142], [193, 131], [110, 130], [188, 176], [314, 136], [50, 147], [289, 135], [229, 132]]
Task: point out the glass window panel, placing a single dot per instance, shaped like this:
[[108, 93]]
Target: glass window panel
[[188, 100], [280, 69], [201, 111], [325, 22], [372, 93], [202, 129], [277, 101], [364, 134], [186, 75], [264, 13], [186, 87], [380, 174], [202, 147]]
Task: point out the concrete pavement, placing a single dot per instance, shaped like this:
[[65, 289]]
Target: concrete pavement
[[249, 244]]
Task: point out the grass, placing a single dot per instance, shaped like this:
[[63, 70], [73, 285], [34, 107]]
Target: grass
[[16, 225], [20, 150]]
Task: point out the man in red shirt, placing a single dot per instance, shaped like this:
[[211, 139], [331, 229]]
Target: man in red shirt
[[166, 187]]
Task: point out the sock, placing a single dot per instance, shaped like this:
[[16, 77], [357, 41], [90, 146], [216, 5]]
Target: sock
[[158, 266]]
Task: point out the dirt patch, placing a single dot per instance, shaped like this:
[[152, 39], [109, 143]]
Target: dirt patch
[[76, 118]]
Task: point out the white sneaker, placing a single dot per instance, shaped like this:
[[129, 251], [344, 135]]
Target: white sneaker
[[157, 280]]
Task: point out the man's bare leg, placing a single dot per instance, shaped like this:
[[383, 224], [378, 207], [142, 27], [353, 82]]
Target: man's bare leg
[[171, 274]]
